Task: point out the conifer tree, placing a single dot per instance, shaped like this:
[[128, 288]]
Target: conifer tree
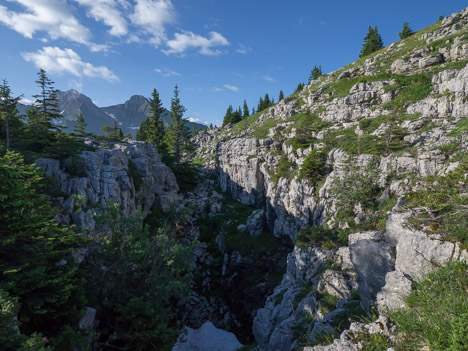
[[253, 110], [80, 126], [36, 264], [228, 116], [47, 101], [315, 73], [260, 105], [156, 125], [177, 135], [245, 110], [266, 101], [281, 95], [372, 42], [8, 111], [406, 31], [299, 87]]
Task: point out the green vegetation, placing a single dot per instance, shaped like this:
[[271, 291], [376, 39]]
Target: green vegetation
[[316, 73], [285, 169], [437, 313], [372, 42], [38, 273], [442, 205], [328, 238], [406, 31], [145, 272], [313, 168]]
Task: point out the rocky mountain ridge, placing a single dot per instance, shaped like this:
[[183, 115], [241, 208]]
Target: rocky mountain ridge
[[128, 115]]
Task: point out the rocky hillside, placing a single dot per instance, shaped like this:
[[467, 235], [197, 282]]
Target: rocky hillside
[[364, 171]]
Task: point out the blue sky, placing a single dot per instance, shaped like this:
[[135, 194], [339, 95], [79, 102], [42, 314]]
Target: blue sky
[[219, 52]]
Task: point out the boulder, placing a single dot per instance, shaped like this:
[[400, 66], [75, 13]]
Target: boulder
[[207, 338], [372, 261], [255, 222]]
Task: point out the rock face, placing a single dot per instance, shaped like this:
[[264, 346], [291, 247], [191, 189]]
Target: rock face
[[207, 338], [108, 177], [353, 105]]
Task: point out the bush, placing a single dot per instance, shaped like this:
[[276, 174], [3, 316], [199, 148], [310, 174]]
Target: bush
[[313, 168], [136, 278], [285, 169], [321, 236]]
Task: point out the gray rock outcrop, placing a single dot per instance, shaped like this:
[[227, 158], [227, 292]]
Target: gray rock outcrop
[[207, 338]]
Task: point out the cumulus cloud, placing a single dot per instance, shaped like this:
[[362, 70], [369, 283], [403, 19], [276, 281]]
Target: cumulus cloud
[[197, 120], [56, 60], [152, 16], [50, 16], [167, 72], [231, 87], [108, 12], [187, 40]]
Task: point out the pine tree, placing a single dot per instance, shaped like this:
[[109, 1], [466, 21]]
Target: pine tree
[[156, 125], [228, 116], [8, 112], [80, 126], [406, 31], [47, 101], [177, 132], [142, 133], [245, 110], [281, 95], [260, 105], [253, 110], [299, 87], [372, 42], [36, 264], [266, 101], [115, 131], [315, 73]]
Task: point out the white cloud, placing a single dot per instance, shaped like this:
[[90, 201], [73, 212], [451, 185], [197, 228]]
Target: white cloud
[[216, 89], [50, 16], [151, 16], [187, 40], [198, 120], [107, 11], [269, 78], [26, 101], [56, 60], [167, 72], [231, 87], [244, 50]]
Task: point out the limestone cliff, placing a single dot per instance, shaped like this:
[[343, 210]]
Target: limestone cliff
[[396, 119]]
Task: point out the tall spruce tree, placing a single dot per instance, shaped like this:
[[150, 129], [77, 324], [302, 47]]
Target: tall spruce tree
[[177, 135], [372, 42], [47, 101], [8, 112], [156, 125], [246, 112], [299, 87], [406, 31], [281, 95], [228, 116], [80, 126], [36, 263]]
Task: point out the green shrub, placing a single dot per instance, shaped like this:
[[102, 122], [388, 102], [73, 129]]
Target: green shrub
[[285, 169], [313, 168], [321, 236]]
